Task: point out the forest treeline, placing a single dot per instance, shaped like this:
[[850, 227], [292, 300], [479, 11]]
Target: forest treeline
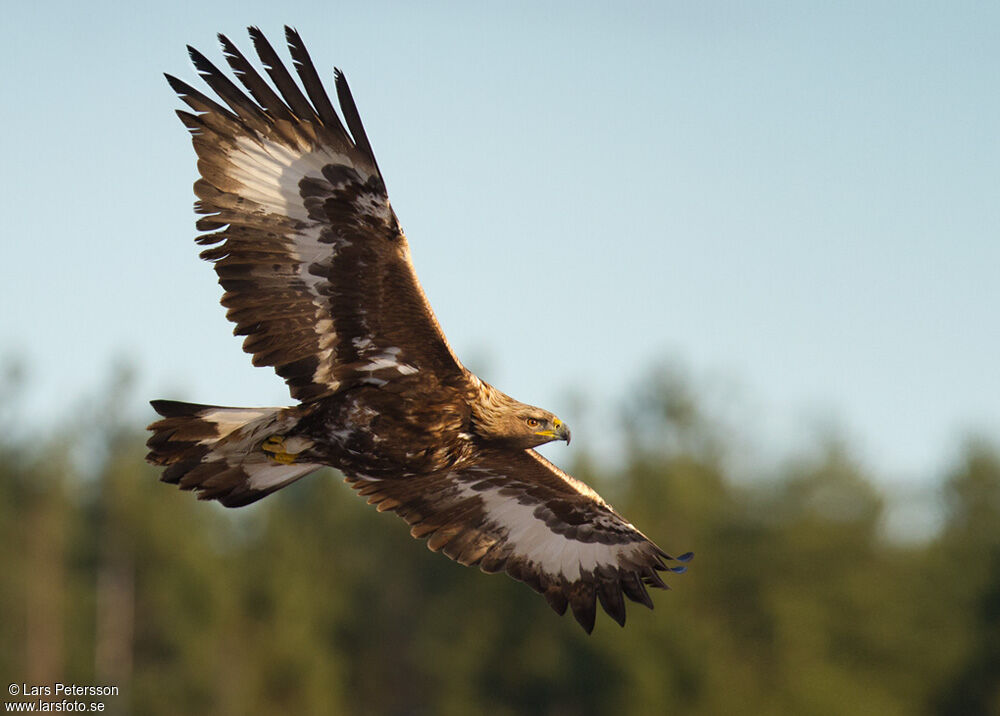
[[312, 603]]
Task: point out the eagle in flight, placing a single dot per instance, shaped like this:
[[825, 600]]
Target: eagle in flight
[[317, 275]]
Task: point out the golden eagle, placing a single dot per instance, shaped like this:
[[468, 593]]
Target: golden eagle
[[317, 276]]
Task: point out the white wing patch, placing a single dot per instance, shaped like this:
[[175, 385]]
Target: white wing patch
[[271, 172], [310, 252], [532, 538]]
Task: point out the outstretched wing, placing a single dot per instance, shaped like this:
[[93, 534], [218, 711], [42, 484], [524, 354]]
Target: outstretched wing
[[315, 267], [515, 511]]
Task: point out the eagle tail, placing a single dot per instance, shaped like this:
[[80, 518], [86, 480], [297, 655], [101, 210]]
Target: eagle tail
[[233, 455]]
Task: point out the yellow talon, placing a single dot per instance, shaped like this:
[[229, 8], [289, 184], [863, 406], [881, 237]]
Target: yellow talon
[[274, 446]]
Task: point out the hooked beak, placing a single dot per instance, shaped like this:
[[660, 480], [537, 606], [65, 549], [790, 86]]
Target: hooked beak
[[560, 432]]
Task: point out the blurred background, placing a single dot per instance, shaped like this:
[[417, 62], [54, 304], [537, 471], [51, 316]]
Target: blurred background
[[748, 252]]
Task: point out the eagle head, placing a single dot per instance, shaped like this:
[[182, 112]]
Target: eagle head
[[499, 418], [541, 427]]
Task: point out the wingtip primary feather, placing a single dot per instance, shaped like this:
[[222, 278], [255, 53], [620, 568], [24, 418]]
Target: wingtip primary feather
[[306, 70], [353, 117], [253, 82], [279, 75], [201, 63]]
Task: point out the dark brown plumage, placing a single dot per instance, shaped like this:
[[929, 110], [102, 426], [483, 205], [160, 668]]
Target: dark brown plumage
[[317, 276]]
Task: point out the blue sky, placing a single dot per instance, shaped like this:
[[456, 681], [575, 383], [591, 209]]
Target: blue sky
[[797, 203]]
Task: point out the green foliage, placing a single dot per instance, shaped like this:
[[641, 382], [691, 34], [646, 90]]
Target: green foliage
[[311, 603]]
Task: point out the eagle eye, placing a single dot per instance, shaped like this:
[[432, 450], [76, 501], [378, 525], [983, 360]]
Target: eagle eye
[[532, 422]]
